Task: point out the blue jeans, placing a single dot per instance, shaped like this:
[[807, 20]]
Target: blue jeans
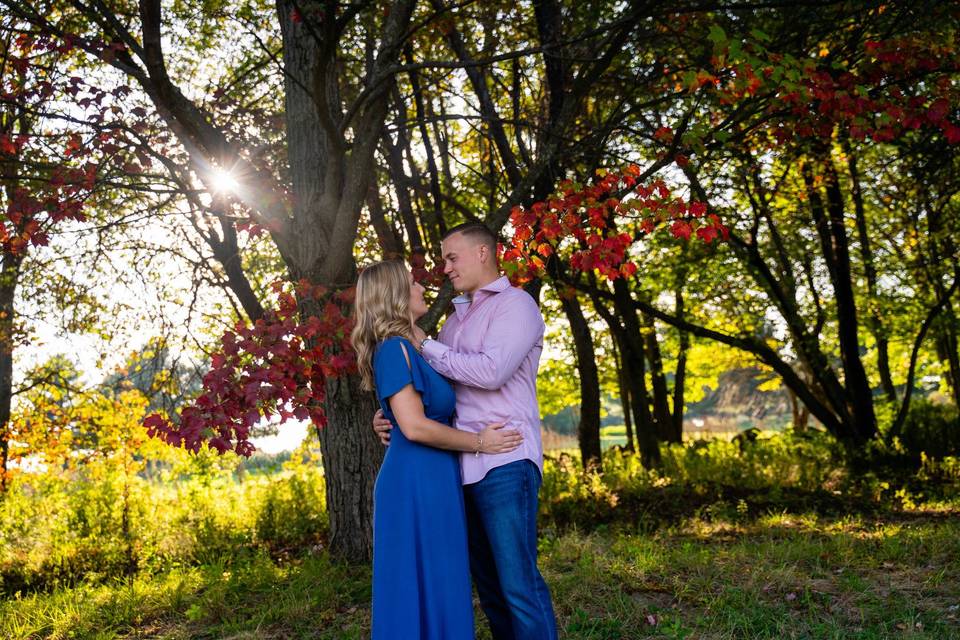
[[502, 533]]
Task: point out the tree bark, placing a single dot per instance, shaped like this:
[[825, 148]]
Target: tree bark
[[859, 392], [942, 250], [325, 222], [588, 431], [801, 414], [387, 235], [661, 396], [873, 320], [624, 394], [393, 153], [226, 250], [633, 353], [9, 279], [679, 378], [634, 378], [352, 455]]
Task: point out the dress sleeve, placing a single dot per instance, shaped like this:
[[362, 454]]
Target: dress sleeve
[[391, 373]]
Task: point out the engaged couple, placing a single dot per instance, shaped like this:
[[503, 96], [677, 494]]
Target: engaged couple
[[457, 493]]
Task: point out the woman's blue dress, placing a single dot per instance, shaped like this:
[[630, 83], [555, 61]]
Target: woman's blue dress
[[421, 570]]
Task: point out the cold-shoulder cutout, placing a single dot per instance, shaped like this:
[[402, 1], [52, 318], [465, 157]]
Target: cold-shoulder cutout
[[394, 367]]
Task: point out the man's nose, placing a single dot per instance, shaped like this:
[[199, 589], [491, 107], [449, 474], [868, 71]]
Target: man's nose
[[447, 268]]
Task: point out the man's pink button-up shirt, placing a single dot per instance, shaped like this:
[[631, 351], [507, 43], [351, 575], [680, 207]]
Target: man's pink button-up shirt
[[490, 348]]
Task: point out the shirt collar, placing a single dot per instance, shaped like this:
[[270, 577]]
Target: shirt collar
[[500, 284]]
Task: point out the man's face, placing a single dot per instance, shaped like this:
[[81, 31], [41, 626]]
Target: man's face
[[464, 262]]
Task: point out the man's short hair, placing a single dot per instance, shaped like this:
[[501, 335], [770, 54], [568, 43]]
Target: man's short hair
[[476, 231]]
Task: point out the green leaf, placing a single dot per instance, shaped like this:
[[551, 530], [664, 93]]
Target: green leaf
[[734, 48], [717, 35]]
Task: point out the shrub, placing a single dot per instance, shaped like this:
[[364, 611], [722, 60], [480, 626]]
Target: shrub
[[61, 529], [930, 428]]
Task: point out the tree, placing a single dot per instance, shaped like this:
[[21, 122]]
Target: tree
[[785, 105], [49, 170], [337, 64]]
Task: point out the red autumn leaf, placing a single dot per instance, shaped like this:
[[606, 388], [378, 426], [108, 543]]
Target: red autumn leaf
[[663, 134], [952, 133], [7, 145], [681, 229], [707, 234], [937, 110], [698, 209]]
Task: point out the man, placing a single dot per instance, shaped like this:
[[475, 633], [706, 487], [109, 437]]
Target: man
[[490, 348]]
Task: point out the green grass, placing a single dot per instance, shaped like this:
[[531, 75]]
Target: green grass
[[253, 596], [778, 577], [775, 539], [774, 577]]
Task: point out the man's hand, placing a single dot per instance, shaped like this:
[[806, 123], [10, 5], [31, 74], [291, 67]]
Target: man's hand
[[418, 336], [382, 427]]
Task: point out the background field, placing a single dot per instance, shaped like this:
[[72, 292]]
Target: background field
[[779, 538]]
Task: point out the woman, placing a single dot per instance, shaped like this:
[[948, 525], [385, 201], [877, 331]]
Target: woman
[[421, 577]]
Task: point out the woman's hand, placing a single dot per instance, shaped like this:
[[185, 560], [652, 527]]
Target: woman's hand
[[496, 439]]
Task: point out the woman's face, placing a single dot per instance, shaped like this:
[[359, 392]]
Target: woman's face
[[418, 306]]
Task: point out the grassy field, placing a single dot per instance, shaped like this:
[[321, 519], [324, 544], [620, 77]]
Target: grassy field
[[802, 551], [775, 577]]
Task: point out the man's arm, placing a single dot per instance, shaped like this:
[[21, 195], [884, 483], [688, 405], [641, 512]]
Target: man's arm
[[513, 331]]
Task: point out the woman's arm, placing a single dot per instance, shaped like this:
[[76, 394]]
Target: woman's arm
[[407, 408]]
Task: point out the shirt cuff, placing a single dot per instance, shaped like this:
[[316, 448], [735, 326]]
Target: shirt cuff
[[433, 349]]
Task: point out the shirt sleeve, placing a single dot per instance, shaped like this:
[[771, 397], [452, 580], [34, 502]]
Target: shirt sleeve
[[515, 328], [391, 372]]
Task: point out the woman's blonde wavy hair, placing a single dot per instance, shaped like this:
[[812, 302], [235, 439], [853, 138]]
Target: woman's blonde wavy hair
[[382, 310]]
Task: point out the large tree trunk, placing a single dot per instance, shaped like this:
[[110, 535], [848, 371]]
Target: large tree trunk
[[624, 387], [633, 353], [661, 396], [9, 278], [10, 263], [331, 182], [352, 455], [679, 379], [634, 370], [633, 373], [588, 431], [837, 252], [873, 320]]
